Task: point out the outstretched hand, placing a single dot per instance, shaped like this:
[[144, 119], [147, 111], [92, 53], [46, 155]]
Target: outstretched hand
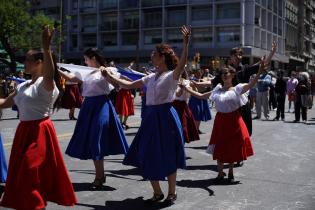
[[263, 65], [186, 31], [46, 37]]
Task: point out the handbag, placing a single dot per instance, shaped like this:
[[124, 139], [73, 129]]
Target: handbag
[[306, 101]]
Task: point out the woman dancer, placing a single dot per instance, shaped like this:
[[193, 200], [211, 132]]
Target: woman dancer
[[231, 142], [71, 98], [199, 107], [157, 149], [36, 173], [124, 106], [98, 132], [190, 130]]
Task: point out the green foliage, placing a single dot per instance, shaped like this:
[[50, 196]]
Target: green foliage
[[18, 26]]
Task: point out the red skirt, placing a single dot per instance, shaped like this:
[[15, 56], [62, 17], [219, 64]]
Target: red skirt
[[230, 138], [190, 130], [72, 97], [124, 103], [36, 173], [291, 96]]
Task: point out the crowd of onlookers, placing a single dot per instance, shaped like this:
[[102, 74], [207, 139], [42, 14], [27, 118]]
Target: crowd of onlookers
[[273, 88]]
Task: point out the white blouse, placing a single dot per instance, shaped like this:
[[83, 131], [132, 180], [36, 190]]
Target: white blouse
[[229, 101], [95, 84], [160, 90], [185, 95], [34, 101]]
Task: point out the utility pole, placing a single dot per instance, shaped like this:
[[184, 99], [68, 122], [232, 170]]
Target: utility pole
[[60, 32]]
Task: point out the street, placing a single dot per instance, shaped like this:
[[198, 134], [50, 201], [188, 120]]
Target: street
[[280, 175]]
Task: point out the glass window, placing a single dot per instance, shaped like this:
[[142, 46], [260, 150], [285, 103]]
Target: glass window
[[110, 39], [170, 2], [74, 41], [130, 38], [202, 35], [108, 4], [151, 3], [128, 3], [74, 22], [174, 36], [275, 24], [199, 1], [269, 6], [228, 34], [153, 37], [89, 20], [131, 20], [176, 17], [201, 13], [152, 19], [228, 11], [74, 4], [280, 27], [109, 21], [88, 3], [89, 40]]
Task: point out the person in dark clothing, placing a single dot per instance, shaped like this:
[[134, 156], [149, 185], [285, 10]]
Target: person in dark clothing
[[243, 74], [303, 88], [280, 89]]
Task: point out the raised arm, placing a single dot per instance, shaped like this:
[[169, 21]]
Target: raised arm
[[203, 84], [205, 95], [70, 77], [7, 102], [121, 82], [48, 64], [186, 31], [271, 54], [252, 83]]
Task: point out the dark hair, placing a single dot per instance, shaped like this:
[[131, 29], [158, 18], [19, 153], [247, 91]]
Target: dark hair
[[232, 71], [94, 52], [236, 50], [39, 55], [184, 75], [171, 60]]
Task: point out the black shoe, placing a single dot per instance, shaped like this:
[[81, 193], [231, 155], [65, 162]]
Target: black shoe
[[170, 200], [256, 118], [200, 132], [156, 198], [276, 119], [98, 183], [239, 164], [231, 178], [220, 177]]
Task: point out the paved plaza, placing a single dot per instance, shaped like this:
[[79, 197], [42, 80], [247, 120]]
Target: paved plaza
[[280, 176]]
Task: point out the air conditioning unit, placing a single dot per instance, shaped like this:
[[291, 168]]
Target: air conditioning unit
[[257, 21]]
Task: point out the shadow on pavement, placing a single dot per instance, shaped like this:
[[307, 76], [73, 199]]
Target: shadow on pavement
[[205, 184], [78, 187], [127, 204], [202, 148], [133, 203], [202, 167]]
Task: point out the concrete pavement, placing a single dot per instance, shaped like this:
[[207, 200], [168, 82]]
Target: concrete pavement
[[279, 176]]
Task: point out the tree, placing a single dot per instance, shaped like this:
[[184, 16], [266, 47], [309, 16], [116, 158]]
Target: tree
[[19, 30]]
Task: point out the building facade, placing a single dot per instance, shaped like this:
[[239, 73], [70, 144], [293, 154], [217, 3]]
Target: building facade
[[127, 29]]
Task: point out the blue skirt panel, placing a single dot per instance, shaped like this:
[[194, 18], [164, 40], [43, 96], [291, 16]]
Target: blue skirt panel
[[98, 132], [158, 148], [3, 163], [200, 109]]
